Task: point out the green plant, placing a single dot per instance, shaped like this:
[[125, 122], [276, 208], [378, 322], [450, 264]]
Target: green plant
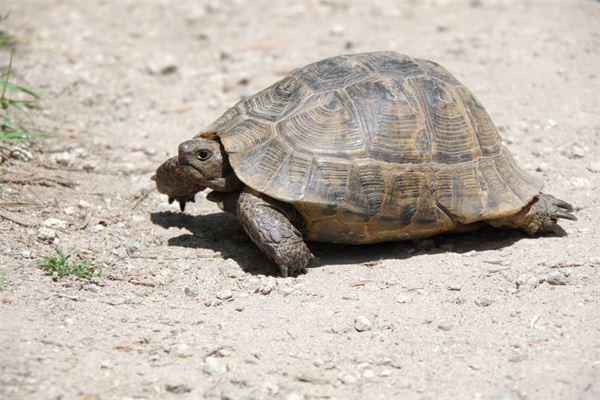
[[61, 265], [6, 39], [15, 101]]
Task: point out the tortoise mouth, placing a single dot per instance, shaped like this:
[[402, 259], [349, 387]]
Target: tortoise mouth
[[190, 169]]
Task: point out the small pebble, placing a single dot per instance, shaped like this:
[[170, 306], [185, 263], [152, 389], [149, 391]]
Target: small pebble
[[164, 66], [556, 278], [55, 223], [362, 324], [46, 234], [192, 291], [527, 280], [83, 204], [459, 300], [266, 285], [133, 247], [594, 167], [214, 366], [181, 350], [181, 265], [178, 388], [483, 301], [225, 295], [230, 269], [444, 327], [26, 254], [402, 298], [337, 30], [577, 152], [69, 210], [385, 373]]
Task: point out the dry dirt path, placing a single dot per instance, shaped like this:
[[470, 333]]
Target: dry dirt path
[[180, 313]]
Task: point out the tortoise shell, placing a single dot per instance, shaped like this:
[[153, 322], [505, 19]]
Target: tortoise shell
[[374, 147]]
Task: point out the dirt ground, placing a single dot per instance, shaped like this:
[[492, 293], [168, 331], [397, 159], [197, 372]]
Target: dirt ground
[[189, 308]]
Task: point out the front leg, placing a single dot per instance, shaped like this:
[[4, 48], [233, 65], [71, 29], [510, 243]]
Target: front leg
[[267, 222]]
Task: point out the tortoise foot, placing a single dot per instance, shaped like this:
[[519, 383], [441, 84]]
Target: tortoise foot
[[540, 216]]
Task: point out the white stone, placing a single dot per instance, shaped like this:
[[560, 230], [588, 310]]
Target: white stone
[[403, 298], [362, 324], [46, 234], [225, 295], [69, 210], [55, 223], [97, 228], [214, 366]]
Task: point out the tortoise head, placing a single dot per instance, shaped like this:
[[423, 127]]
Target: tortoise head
[[206, 161]]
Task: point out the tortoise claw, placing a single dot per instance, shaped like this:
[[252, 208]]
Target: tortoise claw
[[182, 205], [563, 204], [171, 200], [565, 215]]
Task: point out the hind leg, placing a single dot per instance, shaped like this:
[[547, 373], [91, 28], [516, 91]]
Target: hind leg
[[539, 216]]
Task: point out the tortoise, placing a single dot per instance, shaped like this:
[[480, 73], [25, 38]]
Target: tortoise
[[356, 149]]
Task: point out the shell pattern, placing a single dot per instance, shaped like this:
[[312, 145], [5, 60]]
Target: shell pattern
[[374, 147]]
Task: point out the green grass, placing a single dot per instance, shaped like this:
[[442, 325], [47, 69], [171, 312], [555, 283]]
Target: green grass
[[6, 39], [15, 102], [60, 266]]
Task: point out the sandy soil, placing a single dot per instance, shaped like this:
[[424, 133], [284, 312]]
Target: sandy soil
[[182, 311]]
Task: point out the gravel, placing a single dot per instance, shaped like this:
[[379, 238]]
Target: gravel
[[225, 295], [46, 234], [403, 298], [483, 301], [266, 285], [444, 327], [362, 324], [165, 65], [55, 223], [192, 291], [556, 278], [214, 366], [177, 388], [134, 247]]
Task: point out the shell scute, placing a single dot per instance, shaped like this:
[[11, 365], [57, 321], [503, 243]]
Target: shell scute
[[278, 100], [331, 73], [325, 126]]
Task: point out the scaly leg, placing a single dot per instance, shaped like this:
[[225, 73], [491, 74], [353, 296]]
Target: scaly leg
[[267, 222]]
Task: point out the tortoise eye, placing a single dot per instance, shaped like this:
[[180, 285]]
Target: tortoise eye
[[204, 155]]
